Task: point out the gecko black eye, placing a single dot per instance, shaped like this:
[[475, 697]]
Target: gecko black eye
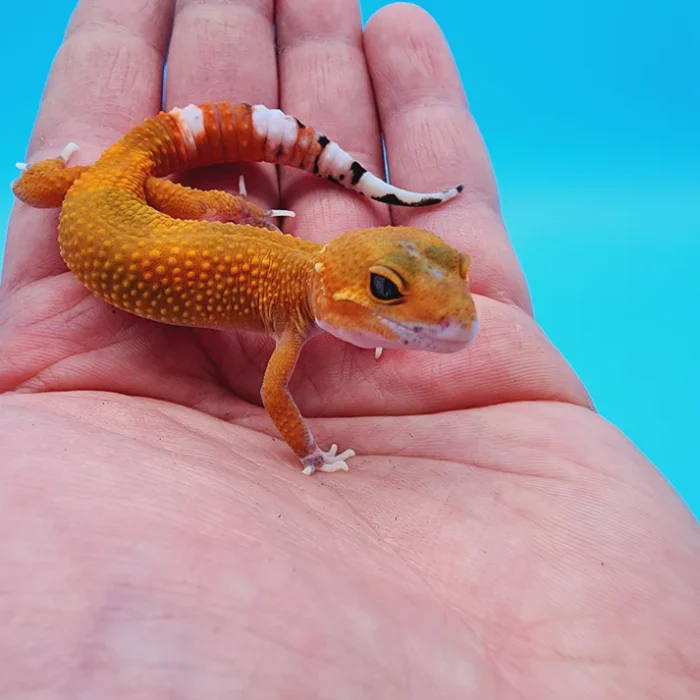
[[383, 288]]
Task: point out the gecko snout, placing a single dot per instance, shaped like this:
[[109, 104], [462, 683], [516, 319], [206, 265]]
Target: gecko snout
[[460, 329]]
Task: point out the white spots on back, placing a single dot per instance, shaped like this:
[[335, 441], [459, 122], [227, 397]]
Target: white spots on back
[[275, 127], [190, 121], [334, 161]]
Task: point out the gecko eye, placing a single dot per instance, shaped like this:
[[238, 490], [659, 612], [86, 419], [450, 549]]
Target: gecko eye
[[383, 288]]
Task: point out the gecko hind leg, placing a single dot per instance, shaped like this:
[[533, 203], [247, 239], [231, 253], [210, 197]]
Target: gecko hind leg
[[183, 202]]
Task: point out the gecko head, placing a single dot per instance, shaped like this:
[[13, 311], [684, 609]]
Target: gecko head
[[394, 287]]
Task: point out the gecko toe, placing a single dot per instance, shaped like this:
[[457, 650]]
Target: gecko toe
[[327, 461]]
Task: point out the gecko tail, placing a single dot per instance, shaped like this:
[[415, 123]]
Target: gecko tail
[[262, 134]]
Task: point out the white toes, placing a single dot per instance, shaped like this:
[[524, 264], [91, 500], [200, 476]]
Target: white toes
[[331, 457], [241, 187], [280, 212], [68, 151], [21, 166], [340, 466], [332, 461], [331, 452], [378, 353]]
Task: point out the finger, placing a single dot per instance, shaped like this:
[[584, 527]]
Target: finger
[[224, 50], [325, 83], [106, 77], [433, 143]]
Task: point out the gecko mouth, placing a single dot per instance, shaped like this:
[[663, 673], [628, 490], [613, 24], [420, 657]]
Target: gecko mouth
[[445, 337]]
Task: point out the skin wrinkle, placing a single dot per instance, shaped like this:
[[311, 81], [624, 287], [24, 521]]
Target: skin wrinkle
[[217, 18], [445, 138], [44, 375], [94, 32], [115, 428], [263, 8], [377, 539], [118, 115], [139, 22], [331, 39], [430, 587]]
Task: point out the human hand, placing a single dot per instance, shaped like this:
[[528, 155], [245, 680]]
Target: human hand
[[495, 538]]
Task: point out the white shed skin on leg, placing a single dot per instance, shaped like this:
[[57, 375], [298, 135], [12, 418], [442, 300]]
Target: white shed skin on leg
[[65, 155]]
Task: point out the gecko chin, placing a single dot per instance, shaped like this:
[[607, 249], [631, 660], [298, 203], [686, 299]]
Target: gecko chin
[[446, 337]]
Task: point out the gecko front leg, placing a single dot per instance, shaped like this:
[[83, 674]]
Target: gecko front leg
[[285, 414]]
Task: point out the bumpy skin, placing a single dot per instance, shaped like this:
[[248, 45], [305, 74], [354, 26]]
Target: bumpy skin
[[210, 259]]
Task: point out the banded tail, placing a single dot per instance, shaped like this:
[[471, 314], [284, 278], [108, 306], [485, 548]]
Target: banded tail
[[263, 134]]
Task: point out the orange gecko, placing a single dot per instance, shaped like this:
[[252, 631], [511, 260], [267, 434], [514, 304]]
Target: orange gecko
[[210, 259]]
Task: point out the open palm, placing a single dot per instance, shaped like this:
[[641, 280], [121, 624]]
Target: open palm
[[494, 538]]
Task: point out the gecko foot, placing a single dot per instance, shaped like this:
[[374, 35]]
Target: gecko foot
[[328, 461]]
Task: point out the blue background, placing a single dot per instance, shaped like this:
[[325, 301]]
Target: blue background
[[591, 112]]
